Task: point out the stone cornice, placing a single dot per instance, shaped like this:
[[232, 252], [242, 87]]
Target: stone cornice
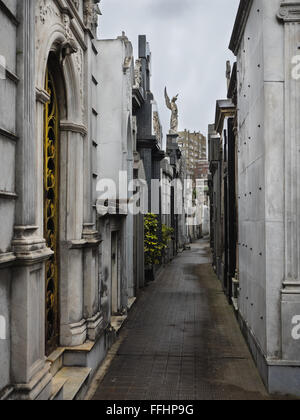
[[12, 76], [149, 142], [73, 127], [8, 134], [7, 259], [240, 24], [289, 12], [42, 95], [8, 195], [224, 108]]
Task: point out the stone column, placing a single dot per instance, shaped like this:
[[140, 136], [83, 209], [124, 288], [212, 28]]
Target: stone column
[[92, 311], [73, 328], [29, 371], [289, 14]]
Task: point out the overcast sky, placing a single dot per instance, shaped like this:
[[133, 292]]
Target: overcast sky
[[189, 43]]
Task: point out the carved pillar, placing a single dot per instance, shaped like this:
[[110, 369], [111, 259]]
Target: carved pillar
[[73, 328], [289, 14]]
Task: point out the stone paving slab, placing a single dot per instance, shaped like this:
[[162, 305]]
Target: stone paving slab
[[182, 341]]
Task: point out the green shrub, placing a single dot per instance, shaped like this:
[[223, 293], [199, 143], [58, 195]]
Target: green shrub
[[153, 247]]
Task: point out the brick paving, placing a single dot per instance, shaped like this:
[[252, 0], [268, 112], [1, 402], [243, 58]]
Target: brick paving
[[182, 341]]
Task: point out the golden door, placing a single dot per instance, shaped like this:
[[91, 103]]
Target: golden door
[[51, 209]]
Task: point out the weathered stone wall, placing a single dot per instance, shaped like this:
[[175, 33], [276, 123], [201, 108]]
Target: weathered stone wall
[[31, 30], [261, 151]]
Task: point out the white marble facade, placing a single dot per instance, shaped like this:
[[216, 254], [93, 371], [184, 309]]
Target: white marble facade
[[266, 40], [31, 32]]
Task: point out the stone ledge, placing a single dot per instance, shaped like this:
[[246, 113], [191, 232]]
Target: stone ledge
[[42, 96], [5, 393], [7, 258], [85, 347], [33, 257], [58, 388], [83, 243], [73, 335], [8, 195], [9, 135], [72, 379], [117, 322], [36, 387], [73, 127], [131, 303]]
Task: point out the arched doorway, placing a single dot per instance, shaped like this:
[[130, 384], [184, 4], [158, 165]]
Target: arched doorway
[[51, 210]]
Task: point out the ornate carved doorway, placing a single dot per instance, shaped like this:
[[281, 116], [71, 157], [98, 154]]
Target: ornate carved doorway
[[51, 211]]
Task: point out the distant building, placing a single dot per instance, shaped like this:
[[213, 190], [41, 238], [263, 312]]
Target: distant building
[[193, 147]]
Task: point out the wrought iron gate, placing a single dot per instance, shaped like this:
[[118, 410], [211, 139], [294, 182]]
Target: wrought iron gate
[[51, 210]]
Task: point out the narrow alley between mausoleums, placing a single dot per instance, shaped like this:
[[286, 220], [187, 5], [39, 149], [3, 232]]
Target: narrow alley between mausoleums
[[149, 202], [181, 341]]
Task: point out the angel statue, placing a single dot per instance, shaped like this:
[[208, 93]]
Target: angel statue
[[174, 116]]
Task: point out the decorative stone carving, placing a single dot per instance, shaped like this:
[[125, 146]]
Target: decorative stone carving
[[157, 126], [48, 13], [174, 109], [69, 46], [289, 12], [91, 12], [47, 8], [138, 74]]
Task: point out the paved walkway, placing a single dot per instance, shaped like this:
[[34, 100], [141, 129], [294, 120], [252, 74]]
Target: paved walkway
[[182, 342]]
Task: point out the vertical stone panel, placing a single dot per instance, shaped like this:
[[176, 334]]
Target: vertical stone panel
[[289, 14]]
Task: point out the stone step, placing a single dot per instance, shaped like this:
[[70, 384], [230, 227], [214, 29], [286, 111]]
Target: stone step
[[58, 389], [117, 322], [74, 380], [56, 360], [131, 302], [5, 393]]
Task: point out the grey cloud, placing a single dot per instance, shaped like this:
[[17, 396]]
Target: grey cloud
[[170, 8], [189, 43]]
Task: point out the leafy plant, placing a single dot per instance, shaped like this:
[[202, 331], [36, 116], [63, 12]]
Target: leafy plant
[[167, 234], [153, 246]]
